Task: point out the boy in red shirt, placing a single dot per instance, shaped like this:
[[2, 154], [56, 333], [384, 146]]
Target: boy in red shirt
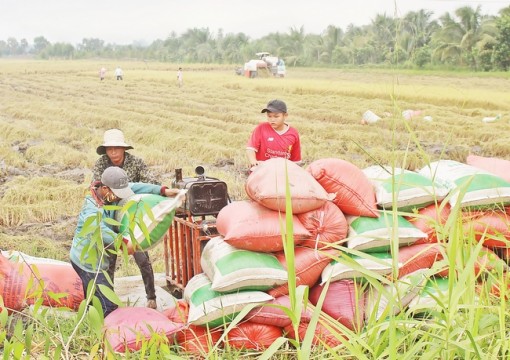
[[274, 138]]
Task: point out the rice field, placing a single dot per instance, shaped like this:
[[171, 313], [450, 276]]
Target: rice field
[[53, 115]]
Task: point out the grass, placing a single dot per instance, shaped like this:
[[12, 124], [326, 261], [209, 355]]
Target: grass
[[53, 115]]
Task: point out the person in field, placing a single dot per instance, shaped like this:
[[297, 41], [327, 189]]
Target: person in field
[[119, 73], [179, 77], [91, 257], [102, 73], [274, 138], [113, 153]]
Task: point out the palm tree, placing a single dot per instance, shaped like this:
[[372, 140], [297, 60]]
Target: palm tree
[[459, 42], [416, 31]]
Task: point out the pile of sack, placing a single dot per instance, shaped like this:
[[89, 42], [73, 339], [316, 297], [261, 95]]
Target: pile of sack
[[374, 239]]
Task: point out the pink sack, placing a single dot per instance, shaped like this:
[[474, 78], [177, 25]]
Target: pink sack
[[253, 336], [499, 167], [491, 227], [272, 315], [430, 220], [22, 284], [327, 225], [355, 193], [418, 256], [127, 327], [266, 185], [198, 340], [344, 302], [309, 264], [250, 226], [328, 335]]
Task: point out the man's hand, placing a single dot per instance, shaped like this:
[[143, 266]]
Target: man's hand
[[129, 246], [171, 192]]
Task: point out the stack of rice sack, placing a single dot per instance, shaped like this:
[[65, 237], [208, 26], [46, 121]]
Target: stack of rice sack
[[246, 264], [371, 239], [385, 254]]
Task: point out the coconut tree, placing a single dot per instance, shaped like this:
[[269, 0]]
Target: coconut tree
[[294, 48], [501, 57], [197, 44], [457, 41], [416, 31], [331, 38], [384, 34]]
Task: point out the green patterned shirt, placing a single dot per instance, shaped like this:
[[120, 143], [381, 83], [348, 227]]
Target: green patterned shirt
[[136, 169]]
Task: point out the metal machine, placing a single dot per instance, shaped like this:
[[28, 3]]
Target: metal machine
[[265, 65], [193, 225]]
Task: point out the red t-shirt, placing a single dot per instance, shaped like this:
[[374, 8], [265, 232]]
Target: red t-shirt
[[267, 143]]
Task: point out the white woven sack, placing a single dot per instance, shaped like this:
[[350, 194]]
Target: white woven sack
[[482, 189], [375, 234], [212, 308], [232, 269], [400, 293], [350, 267], [410, 188]]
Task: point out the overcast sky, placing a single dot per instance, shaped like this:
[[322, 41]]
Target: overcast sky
[[128, 21]]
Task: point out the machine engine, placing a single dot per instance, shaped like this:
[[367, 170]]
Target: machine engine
[[205, 196]]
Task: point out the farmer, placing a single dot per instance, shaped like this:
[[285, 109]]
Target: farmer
[[113, 153], [179, 77], [102, 73], [119, 73], [88, 259], [274, 138]]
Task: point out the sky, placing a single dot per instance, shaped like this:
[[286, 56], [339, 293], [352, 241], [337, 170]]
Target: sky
[[135, 21]]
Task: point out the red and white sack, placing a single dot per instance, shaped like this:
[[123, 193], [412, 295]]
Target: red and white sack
[[355, 194], [309, 264], [267, 184], [327, 225], [250, 226]]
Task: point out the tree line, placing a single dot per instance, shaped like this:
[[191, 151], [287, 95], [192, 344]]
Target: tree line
[[465, 39]]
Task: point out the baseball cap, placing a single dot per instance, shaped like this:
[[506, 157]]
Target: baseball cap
[[275, 106], [117, 180], [112, 137]]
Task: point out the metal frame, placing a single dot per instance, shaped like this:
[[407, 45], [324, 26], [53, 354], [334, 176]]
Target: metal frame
[[183, 248]]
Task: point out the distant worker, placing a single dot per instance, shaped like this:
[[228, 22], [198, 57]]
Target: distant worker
[[119, 73], [274, 138], [102, 73], [179, 77], [113, 153]]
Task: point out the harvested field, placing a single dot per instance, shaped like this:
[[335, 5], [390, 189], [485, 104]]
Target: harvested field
[[53, 115]]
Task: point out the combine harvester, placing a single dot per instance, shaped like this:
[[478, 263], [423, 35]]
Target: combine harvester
[[265, 66]]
